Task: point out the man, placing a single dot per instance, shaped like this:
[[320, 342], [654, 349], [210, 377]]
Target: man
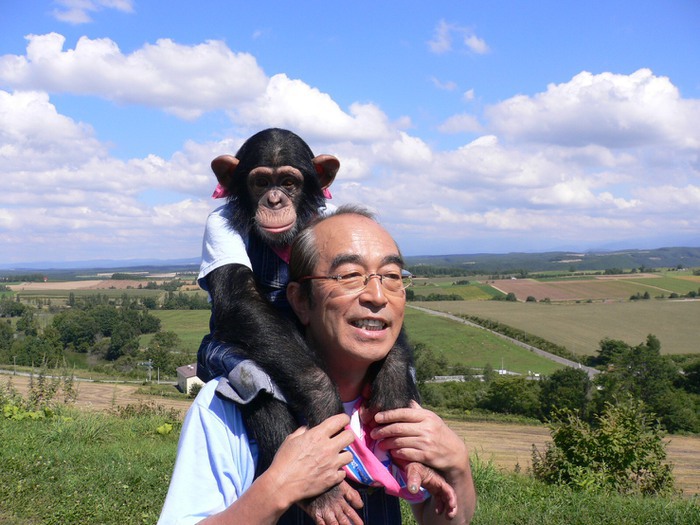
[[346, 289]]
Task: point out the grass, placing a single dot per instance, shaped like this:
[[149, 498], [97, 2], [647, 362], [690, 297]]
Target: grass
[[581, 326], [189, 325], [87, 468], [111, 468], [472, 346], [517, 499]]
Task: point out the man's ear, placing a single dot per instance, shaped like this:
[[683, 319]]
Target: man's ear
[[298, 302], [223, 167], [326, 167]]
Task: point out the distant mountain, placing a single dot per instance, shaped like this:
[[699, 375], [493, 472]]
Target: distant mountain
[[103, 265], [483, 262], [565, 261]]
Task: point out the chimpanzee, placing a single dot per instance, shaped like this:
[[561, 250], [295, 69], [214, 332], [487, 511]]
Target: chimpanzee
[[275, 186]]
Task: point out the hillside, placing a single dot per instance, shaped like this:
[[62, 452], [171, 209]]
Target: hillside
[[564, 261], [487, 263]]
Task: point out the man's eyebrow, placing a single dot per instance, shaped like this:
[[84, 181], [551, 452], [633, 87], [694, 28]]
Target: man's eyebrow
[[353, 258]]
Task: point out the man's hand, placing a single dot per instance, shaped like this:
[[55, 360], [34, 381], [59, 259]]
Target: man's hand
[[417, 435], [310, 460]]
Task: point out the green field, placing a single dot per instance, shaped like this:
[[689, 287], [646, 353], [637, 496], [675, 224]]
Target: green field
[[458, 342], [472, 346], [189, 325], [580, 326], [679, 285]]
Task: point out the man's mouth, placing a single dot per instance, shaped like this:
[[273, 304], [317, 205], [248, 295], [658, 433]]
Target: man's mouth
[[369, 324]]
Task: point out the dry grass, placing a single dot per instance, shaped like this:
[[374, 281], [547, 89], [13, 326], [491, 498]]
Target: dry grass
[[581, 326]]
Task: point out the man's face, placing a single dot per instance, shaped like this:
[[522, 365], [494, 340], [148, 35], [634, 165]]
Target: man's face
[[351, 331]]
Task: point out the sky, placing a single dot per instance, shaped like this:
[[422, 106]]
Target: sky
[[469, 127]]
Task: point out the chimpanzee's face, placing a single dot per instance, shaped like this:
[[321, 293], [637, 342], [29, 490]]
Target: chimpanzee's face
[[276, 192]]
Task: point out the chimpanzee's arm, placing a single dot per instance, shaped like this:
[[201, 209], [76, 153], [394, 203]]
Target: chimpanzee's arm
[[244, 318]]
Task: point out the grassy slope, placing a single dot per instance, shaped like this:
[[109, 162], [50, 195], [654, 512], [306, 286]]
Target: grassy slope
[[472, 346]]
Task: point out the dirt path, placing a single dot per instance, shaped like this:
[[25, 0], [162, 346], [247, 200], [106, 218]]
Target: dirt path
[[506, 445], [103, 396]]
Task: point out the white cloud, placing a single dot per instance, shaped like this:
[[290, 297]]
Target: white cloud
[[578, 162], [78, 11], [476, 44], [462, 123], [444, 86], [442, 41], [611, 110], [164, 75]]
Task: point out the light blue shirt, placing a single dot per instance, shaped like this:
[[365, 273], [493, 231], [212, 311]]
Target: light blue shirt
[[215, 461]]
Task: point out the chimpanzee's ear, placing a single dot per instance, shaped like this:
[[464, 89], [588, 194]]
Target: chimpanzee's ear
[[326, 167], [223, 167]]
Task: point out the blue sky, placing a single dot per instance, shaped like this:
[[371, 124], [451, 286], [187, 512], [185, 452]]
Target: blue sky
[[468, 126]]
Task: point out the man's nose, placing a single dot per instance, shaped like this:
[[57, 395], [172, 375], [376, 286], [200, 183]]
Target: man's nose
[[374, 291]]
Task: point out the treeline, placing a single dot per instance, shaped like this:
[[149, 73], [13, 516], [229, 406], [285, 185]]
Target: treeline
[[668, 389], [172, 301], [425, 270], [103, 330], [411, 295], [27, 277]]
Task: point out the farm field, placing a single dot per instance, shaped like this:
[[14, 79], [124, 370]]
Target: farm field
[[580, 326], [504, 444], [598, 288]]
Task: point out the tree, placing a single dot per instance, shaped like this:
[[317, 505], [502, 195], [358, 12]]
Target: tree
[[691, 377], [427, 364], [567, 388], [27, 323], [513, 395], [77, 329], [10, 308], [6, 335], [643, 373], [159, 351], [125, 341], [623, 451]]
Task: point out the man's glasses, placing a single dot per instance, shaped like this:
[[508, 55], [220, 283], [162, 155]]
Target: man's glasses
[[355, 282]]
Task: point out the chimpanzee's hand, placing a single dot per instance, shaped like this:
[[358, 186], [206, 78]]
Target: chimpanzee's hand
[[444, 496], [336, 506]]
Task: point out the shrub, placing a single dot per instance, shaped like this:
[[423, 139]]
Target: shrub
[[624, 452]]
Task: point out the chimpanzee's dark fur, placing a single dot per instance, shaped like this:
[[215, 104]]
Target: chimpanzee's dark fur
[[244, 319]]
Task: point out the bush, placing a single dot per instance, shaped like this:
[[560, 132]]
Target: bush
[[624, 452]]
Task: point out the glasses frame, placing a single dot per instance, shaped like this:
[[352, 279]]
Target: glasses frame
[[338, 278]]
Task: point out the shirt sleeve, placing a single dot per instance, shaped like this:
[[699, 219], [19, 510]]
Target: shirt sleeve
[[221, 244], [215, 463]]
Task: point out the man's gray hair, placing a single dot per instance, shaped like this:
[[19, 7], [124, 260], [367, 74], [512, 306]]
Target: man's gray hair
[[304, 256]]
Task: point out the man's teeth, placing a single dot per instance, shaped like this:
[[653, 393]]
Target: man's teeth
[[369, 324]]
